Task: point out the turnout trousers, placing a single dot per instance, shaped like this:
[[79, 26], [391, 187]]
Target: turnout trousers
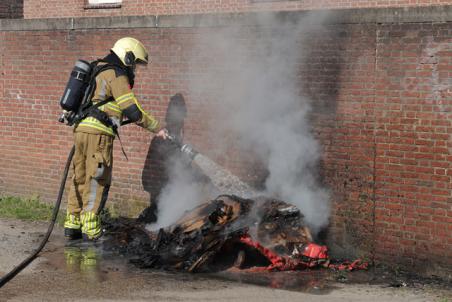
[[91, 167]]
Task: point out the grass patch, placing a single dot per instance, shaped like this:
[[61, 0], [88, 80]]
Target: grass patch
[[26, 209], [33, 209]]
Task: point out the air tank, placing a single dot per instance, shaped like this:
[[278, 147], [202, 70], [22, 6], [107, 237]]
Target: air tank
[[76, 86]]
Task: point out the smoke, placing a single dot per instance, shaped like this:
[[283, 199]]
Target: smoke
[[181, 193], [250, 76]]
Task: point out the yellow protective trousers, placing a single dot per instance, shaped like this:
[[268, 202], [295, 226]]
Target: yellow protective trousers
[[91, 166]]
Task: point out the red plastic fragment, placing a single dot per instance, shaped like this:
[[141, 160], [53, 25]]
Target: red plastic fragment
[[271, 256], [347, 266], [313, 255], [315, 251]]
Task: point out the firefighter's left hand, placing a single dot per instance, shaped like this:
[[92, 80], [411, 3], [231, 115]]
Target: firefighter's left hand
[[163, 133]]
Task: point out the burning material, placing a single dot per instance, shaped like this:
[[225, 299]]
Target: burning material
[[255, 232], [227, 232]]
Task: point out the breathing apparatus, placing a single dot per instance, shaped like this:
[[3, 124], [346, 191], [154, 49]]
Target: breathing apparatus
[[76, 100], [75, 92], [76, 104]]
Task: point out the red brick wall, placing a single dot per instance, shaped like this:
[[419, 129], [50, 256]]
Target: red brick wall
[[12, 9], [76, 8], [382, 106], [413, 135], [341, 78]]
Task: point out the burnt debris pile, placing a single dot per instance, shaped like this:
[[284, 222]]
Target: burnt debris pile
[[224, 233]]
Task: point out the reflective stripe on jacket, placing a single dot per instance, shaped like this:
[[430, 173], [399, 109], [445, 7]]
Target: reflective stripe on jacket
[[109, 85]]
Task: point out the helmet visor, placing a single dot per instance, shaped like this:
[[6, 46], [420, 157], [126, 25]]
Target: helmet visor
[[142, 62]]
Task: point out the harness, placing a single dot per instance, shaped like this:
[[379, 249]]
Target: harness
[[90, 109]]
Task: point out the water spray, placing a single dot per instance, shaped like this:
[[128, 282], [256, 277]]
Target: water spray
[[222, 179]]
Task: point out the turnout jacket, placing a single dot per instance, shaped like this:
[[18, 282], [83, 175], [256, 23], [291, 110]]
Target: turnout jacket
[[114, 85]]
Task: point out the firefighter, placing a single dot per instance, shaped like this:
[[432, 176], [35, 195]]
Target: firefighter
[[93, 138]]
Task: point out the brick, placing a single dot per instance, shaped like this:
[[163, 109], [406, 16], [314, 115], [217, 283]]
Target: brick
[[75, 8], [383, 144]]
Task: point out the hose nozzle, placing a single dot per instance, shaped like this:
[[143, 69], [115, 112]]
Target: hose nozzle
[[187, 149]]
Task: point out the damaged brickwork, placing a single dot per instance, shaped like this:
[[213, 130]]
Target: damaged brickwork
[[381, 96]]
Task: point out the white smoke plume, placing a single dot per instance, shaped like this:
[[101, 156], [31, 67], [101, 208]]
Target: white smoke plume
[[181, 193], [256, 94]]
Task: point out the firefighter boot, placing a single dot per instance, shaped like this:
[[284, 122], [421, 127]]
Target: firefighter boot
[[91, 226], [72, 227]]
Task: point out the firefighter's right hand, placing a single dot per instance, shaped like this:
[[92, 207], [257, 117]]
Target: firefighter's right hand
[[163, 133]]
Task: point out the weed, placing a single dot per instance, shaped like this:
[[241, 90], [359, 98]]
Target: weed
[[26, 209]]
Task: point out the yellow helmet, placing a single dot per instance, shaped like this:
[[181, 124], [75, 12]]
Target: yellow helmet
[[130, 51]]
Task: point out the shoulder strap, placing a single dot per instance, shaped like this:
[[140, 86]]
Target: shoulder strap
[[119, 70], [96, 70], [92, 108]]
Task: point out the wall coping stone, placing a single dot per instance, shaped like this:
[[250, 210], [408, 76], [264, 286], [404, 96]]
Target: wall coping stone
[[426, 14]]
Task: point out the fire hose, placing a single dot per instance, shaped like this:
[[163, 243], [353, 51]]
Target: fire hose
[[5, 279], [185, 148]]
